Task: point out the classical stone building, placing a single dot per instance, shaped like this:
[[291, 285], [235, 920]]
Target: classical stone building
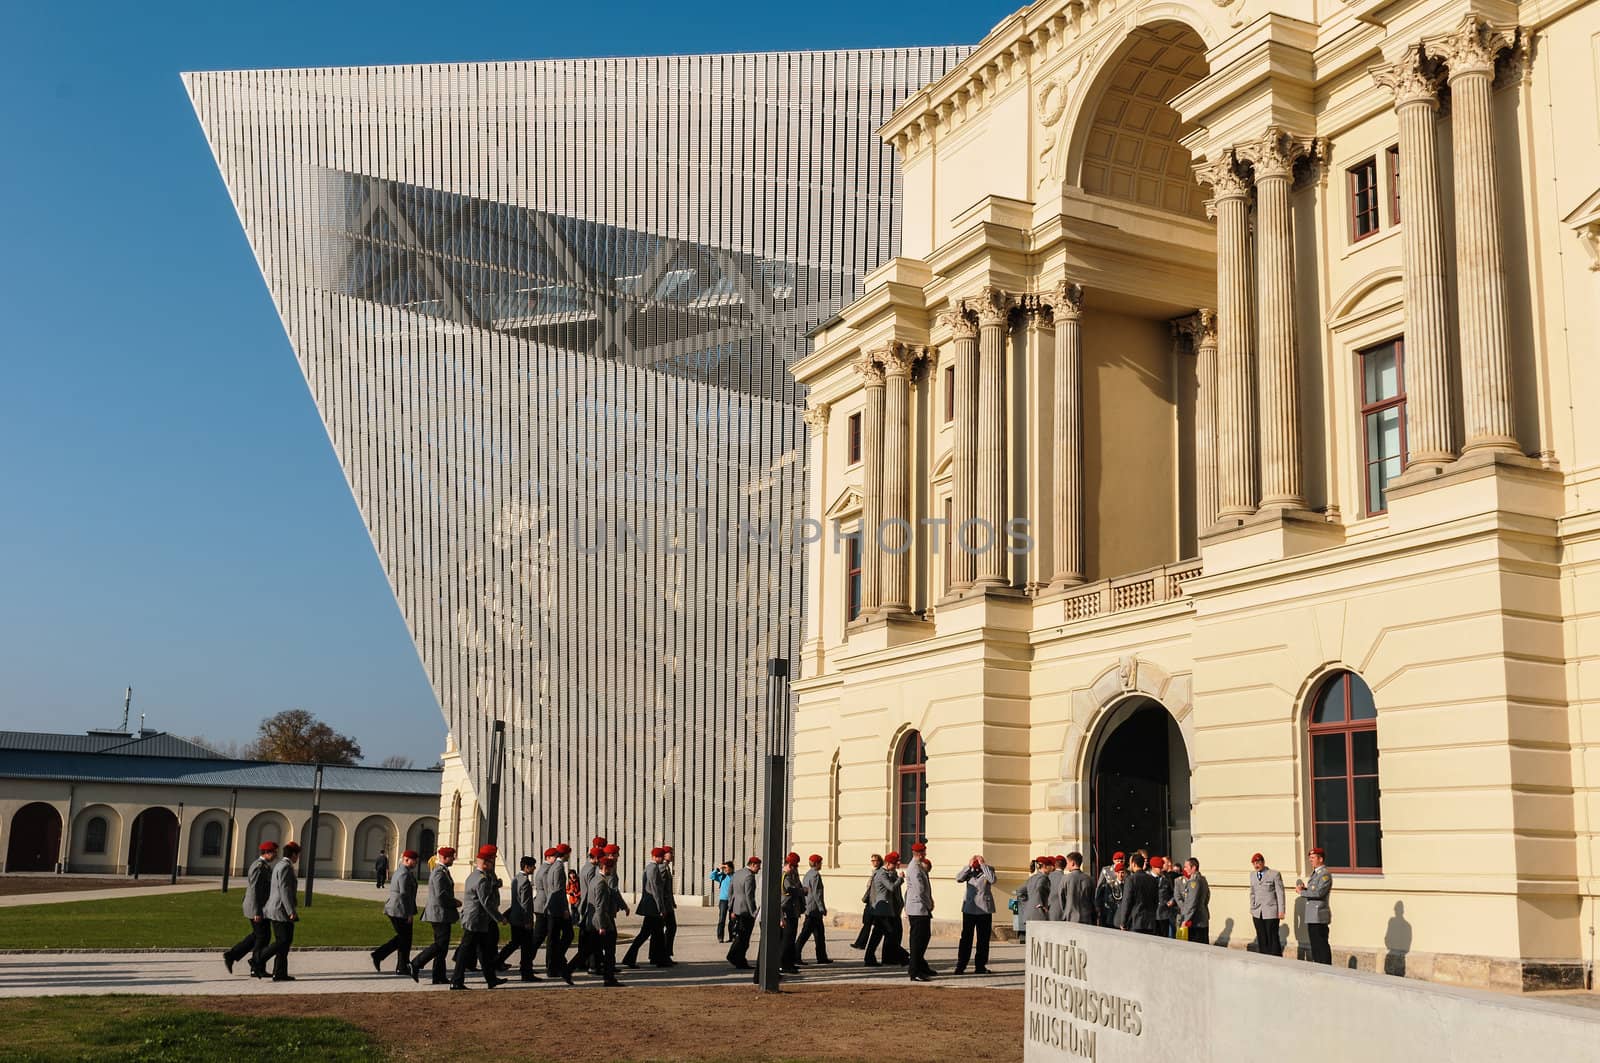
[[1259, 336]]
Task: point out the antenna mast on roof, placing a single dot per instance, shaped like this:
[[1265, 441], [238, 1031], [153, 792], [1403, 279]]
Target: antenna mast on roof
[[127, 703]]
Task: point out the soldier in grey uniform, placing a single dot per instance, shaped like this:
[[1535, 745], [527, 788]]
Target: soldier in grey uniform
[[557, 913], [742, 907], [257, 889], [401, 908], [1055, 882], [1194, 902], [793, 894], [480, 921], [604, 903], [519, 917], [1318, 914], [866, 906], [816, 913], [1077, 892], [650, 910], [919, 914], [977, 914], [587, 953], [441, 913], [541, 921], [1266, 905], [886, 905], [281, 909], [1035, 899], [669, 909]]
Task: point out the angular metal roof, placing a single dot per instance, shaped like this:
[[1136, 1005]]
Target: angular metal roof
[[214, 772], [146, 743]]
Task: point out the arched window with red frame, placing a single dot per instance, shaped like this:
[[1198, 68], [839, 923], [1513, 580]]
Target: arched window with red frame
[[911, 794], [1346, 821]]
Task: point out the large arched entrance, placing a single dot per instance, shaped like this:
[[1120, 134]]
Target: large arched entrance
[[1139, 794], [153, 842], [35, 838]]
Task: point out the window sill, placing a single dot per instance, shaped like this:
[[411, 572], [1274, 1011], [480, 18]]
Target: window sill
[[1383, 235]]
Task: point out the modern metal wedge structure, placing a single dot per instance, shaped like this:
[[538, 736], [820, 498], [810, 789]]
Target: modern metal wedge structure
[[546, 310]]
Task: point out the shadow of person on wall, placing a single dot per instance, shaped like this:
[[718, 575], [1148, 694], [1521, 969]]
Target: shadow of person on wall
[[1227, 934], [1302, 944], [1397, 942]]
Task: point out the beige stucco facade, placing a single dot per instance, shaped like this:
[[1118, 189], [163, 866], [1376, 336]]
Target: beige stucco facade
[[1132, 310]]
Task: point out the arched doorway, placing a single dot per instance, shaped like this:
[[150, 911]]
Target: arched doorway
[[153, 842], [1139, 794], [423, 837], [35, 838]]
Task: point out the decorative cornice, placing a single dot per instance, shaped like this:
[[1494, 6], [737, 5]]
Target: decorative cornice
[[1275, 154], [1473, 47], [817, 416], [1225, 176], [991, 306], [959, 323], [1064, 301], [1416, 78]]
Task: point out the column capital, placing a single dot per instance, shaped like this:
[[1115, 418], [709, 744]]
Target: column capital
[[1199, 327], [960, 324], [896, 358], [991, 305], [1225, 176], [1064, 300], [1473, 47], [1416, 78], [816, 416], [1275, 153], [869, 368]]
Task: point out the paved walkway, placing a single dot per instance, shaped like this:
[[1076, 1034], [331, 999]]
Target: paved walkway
[[67, 896]]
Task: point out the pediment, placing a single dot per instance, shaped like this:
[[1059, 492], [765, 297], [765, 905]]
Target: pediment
[[847, 504]]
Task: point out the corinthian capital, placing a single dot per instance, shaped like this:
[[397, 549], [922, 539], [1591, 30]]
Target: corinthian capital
[[960, 323], [991, 305], [1473, 47], [897, 359], [1276, 152], [1225, 176], [1200, 327], [817, 416], [1065, 300], [1414, 79], [869, 368]]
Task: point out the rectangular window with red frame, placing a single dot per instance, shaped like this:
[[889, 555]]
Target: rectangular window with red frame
[[1346, 820], [852, 446], [1363, 199], [949, 393], [852, 577], [1383, 420]]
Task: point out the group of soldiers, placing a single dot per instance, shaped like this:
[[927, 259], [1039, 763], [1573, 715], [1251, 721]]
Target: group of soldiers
[[269, 905], [1143, 893]]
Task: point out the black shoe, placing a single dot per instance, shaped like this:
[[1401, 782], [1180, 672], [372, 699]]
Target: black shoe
[[801, 963], [256, 973], [504, 966], [283, 978], [788, 970], [740, 966], [872, 963], [441, 981], [824, 959], [929, 972], [566, 976], [921, 978], [497, 983], [530, 977], [961, 970], [978, 970], [414, 972], [630, 964], [665, 963], [377, 964], [610, 983], [454, 987], [227, 961]]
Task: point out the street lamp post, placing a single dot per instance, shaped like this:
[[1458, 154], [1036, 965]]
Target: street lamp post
[[311, 839], [227, 849], [770, 956]]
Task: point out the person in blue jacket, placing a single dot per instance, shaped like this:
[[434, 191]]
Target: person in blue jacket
[[721, 876]]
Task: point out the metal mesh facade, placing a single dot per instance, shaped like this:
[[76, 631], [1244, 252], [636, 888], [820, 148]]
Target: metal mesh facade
[[546, 310]]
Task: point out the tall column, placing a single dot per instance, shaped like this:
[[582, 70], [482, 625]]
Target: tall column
[[1430, 415], [964, 459], [993, 309], [1236, 421], [895, 539], [1273, 158], [1201, 327], [816, 418], [1065, 301], [1470, 53], [871, 480]]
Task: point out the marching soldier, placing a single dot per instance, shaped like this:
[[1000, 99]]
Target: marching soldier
[[884, 894], [604, 902], [794, 910], [1056, 882], [257, 890], [281, 909], [742, 906], [401, 908], [866, 905], [816, 913], [650, 909], [977, 914], [1035, 900], [588, 871], [1318, 914], [541, 908], [1077, 901], [558, 914], [669, 909], [519, 917], [480, 921], [919, 913], [441, 913]]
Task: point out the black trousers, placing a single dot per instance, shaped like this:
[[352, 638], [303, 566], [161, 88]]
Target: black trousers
[[866, 930], [738, 952], [382, 877], [790, 932], [401, 943], [887, 929], [975, 927], [606, 955], [722, 920], [1267, 936], [478, 946], [921, 933], [669, 934], [436, 952], [521, 938], [1200, 935], [256, 943], [282, 942], [649, 933], [1320, 950], [812, 928], [558, 939]]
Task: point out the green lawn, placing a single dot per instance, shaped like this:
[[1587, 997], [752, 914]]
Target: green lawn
[[164, 1030], [207, 919]]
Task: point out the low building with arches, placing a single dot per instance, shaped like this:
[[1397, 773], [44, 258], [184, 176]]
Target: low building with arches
[[109, 802], [1209, 474]]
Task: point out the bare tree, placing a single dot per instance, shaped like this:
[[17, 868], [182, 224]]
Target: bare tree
[[230, 749], [397, 760]]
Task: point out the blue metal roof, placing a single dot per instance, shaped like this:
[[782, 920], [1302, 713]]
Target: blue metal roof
[[214, 772], [151, 743]]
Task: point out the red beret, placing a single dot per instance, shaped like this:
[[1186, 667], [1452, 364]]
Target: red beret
[[1118, 865], [919, 848], [666, 848], [445, 850], [269, 847], [596, 842], [1157, 863], [1060, 859], [563, 849], [1317, 852], [292, 847], [548, 853], [488, 852], [657, 853], [410, 854], [813, 859], [891, 857], [596, 851], [792, 858], [1119, 855], [1258, 856], [753, 860], [611, 849]]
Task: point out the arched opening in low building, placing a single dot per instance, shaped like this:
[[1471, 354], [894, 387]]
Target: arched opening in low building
[[330, 847], [208, 840], [264, 827], [96, 841], [35, 843], [422, 838], [153, 842], [374, 835], [1139, 794]]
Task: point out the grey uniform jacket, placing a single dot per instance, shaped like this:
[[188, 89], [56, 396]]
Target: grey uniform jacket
[[587, 872], [1318, 886], [520, 911], [1035, 902], [664, 895], [1077, 898], [280, 903], [1194, 901], [979, 899], [1266, 894], [649, 890], [881, 894], [402, 900], [602, 904], [742, 893], [257, 889], [919, 891], [480, 902], [1056, 884], [553, 889], [815, 905], [441, 897]]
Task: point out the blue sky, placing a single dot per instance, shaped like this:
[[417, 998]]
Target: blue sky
[[171, 514]]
